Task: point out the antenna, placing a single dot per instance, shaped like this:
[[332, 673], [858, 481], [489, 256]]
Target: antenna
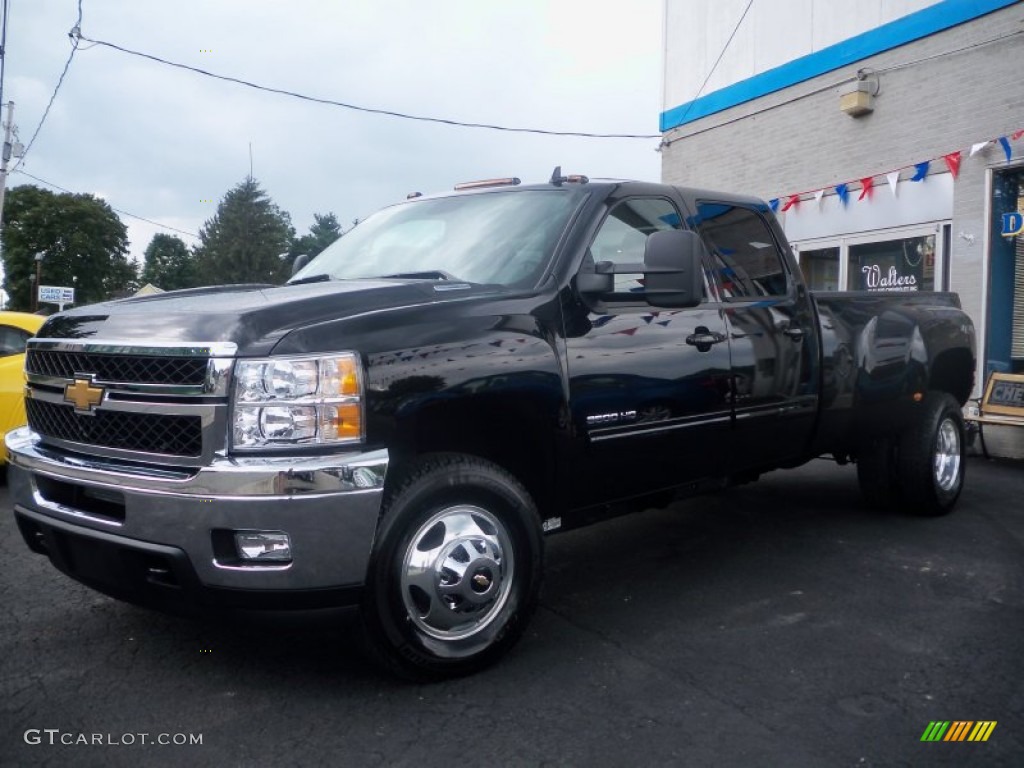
[[250, 159]]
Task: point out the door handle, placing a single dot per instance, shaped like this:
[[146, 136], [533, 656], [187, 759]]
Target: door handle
[[796, 334], [702, 338]]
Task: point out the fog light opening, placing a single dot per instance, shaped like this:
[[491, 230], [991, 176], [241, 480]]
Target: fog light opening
[[263, 547]]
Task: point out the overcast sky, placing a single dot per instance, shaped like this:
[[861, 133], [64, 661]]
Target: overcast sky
[[167, 144]]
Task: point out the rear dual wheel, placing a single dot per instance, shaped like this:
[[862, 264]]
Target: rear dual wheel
[[456, 569], [923, 470]]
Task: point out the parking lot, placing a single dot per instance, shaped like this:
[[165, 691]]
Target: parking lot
[[779, 623]]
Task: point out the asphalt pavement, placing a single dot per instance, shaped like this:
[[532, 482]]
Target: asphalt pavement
[[777, 624]]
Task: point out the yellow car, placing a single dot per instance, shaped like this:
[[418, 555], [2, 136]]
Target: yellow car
[[15, 329]]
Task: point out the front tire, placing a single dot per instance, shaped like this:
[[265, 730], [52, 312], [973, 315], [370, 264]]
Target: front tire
[[932, 458], [456, 569]]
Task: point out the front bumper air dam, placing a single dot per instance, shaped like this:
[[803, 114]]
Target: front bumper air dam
[[157, 548]]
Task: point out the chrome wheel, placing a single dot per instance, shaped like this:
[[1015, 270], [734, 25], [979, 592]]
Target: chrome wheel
[[456, 573], [947, 455]]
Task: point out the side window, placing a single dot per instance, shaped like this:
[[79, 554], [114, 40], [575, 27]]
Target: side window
[[623, 235], [743, 249], [12, 340]]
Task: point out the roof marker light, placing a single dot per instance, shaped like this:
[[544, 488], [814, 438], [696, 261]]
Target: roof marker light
[[512, 181]]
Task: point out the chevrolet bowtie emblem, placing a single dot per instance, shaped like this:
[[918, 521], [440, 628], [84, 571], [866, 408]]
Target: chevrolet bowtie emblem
[[83, 394]]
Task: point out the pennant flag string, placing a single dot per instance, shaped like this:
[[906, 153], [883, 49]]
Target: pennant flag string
[[953, 161], [1006, 148], [893, 177], [921, 171], [866, 185]]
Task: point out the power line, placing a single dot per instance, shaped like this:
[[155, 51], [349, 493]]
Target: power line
[[73, 35], [717, 61], [118, 210], [371, 110]]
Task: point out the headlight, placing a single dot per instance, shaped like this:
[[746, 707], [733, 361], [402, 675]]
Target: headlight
[[297, 401]]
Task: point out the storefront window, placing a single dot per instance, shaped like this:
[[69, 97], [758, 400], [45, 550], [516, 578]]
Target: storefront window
[[821, 269], [907, 264]]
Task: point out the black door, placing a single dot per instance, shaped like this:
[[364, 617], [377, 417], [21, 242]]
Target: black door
[[772, 334], [648, 387]]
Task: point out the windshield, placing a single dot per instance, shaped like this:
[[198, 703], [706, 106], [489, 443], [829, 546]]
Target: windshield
[[496, 237]]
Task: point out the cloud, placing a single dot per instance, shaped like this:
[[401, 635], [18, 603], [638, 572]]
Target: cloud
[[159, 141]]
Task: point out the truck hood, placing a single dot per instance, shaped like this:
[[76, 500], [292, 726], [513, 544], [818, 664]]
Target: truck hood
[[254, 317]]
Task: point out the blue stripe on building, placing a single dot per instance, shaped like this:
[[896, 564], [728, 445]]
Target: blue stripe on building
[[927, 21]]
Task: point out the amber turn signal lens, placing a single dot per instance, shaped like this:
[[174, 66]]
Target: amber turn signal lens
[[342, 421]]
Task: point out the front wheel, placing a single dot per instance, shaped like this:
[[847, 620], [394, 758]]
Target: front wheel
[[932, 457], [456, 569]]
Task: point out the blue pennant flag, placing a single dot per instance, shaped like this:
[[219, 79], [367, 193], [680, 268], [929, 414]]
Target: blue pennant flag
[[774, 204], [843, 190], [920, 171], [1005, 144]]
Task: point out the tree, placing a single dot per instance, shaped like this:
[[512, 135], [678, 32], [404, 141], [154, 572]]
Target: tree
[[324, 231], [83, 243], [169, 264], [245, 240]]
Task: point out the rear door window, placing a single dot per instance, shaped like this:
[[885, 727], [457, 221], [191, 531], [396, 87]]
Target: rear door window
[[744, 251]]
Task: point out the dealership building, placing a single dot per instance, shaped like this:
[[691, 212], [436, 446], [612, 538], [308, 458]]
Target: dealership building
[[888, 136]]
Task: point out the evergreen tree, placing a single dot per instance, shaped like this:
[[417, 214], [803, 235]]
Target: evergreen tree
[[169, 264], [245, 240], [324, 231], [83, 242]]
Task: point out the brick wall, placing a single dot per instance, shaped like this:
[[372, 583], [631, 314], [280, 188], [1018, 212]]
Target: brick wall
[[798, 139]]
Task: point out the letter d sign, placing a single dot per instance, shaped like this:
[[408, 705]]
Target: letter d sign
[[1013, 224]]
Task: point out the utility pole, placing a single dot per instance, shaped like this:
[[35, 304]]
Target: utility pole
[[5, 157]]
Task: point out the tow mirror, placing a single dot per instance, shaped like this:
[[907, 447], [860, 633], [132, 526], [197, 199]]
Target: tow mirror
[[673, 276], [300, 261], [600, 281]]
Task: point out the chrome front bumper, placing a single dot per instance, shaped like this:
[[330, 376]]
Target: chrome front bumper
[[328, 505]]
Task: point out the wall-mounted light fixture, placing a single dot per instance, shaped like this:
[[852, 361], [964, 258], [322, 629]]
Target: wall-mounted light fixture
[[858, 97]]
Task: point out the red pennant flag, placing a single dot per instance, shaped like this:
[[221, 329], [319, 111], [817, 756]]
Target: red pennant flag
[[953, 163], [1017, 135], [793, 200], [866, 185]]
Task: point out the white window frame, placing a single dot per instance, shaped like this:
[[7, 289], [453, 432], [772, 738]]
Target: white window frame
[[843, 243]]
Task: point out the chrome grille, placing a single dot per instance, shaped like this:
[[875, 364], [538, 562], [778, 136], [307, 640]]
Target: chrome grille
[[169, 434], [130, 369]]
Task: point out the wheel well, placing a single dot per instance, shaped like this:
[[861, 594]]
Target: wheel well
[[516, 438], [953, 371]]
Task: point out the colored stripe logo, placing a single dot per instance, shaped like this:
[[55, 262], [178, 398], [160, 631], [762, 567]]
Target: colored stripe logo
[[959, 730]]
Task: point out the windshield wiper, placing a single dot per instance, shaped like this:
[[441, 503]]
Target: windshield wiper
[[321, 278], [429, 274]]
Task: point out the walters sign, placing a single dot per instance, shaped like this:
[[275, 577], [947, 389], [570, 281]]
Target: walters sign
[[904, 264], [875, 279]]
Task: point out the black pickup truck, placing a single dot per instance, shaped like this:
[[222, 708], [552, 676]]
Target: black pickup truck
[[399, 425]]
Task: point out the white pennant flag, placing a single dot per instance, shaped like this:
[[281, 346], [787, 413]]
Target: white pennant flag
[[818, 195], [893, 178], [976, 148]]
